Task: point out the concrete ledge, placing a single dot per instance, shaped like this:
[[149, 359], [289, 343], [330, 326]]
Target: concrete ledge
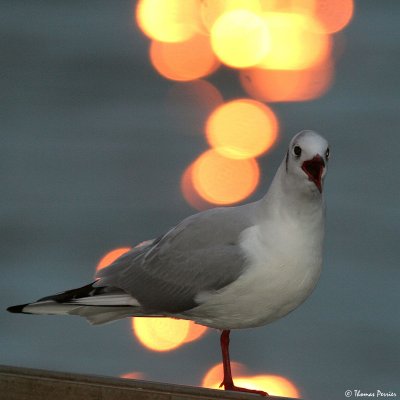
[[35, 384]]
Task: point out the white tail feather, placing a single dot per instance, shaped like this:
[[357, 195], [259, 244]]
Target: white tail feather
[[50, 307], [107, 300], [95, 315]]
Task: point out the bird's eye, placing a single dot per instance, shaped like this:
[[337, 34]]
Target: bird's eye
[[327, 153], [297, 151]]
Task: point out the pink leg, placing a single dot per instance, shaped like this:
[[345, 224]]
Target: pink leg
[[227, 383]]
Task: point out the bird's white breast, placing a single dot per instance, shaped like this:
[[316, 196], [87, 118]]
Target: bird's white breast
[[283, 267]]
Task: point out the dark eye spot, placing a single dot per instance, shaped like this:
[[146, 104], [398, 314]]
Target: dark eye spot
[[297, 151], [327, 153]]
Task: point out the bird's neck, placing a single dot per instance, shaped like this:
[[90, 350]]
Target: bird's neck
[[286, 200]]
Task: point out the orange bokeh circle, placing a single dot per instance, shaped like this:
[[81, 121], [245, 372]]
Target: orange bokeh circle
[[165, 334], [242, 129], [274, 385], [296, 42], [184, 61], [287, 85], [221, 180], [168, 21], [111, 256], [240, 38]]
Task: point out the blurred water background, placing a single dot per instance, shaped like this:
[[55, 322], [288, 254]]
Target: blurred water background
[[91, 157]]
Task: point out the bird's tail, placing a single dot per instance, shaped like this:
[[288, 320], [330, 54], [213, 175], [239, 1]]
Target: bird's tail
[[97, 304]]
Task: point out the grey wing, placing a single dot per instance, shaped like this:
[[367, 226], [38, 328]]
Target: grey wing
[[201, 254]]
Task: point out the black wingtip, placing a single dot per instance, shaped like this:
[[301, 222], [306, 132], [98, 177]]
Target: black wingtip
[[17, 309]]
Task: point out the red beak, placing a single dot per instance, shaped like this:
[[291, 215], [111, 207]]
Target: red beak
[[314, 169]]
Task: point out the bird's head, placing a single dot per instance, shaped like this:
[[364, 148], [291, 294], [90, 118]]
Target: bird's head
[[307, 160]]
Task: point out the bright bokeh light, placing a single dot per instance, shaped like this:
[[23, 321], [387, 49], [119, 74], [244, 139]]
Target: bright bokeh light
[[240, 38], [274, 385], [334, 15], [287, 85], [296, 42], [214, 376], [242, 129], [221, 180], [290, 6], [165, 334], [168, 21], [283, 49], [195, 332], [184, 61], [160, 334], [133, 375], [211, 10], [111, 256], [189, 192]]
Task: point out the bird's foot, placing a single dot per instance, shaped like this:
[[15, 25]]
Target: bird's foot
[[231, 386]]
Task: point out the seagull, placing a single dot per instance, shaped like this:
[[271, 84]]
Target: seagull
[[225, 268]]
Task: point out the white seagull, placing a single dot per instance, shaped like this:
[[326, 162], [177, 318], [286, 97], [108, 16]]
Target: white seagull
[[225, 268]]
